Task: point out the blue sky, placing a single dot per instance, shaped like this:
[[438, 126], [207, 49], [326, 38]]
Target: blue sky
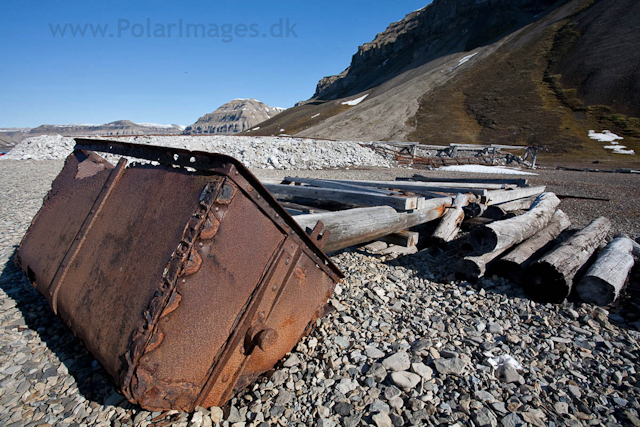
[[134, 69]]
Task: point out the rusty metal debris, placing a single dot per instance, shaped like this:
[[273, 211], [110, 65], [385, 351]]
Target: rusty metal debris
[[184, 278]]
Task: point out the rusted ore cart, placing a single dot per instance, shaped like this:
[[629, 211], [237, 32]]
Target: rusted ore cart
[[184, 278]]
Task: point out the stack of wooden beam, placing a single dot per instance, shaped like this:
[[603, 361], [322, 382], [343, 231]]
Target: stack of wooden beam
[[358, 211]]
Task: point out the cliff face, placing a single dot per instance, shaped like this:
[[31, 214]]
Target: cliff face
[[236, 116], [443, 27]]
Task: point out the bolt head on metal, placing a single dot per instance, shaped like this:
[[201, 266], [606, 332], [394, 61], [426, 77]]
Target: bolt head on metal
[[265, 339]]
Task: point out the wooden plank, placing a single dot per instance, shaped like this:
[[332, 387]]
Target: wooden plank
[[502, 196], [515, 181], [604, 280], [345, 196], [417, 187], [301, 208], [327, 183], [550, 279], [504, 234]]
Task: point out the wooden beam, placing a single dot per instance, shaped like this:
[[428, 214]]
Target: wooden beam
[[502, 196], [504, 234], [515, 262], [418, 187], [344, 196], [515, 181], [550, 279], [326, 183], [301, 208], [604, 280]]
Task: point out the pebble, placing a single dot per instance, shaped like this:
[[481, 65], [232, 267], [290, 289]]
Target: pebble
[[374, 353], [483, 417], [397, 362], [405, 380], [382, 420], [453, 366]]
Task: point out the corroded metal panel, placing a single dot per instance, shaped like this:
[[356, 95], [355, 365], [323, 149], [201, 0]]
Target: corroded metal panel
[[186, 280]]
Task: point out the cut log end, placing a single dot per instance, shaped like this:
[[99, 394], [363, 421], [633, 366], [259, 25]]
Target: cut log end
[[595, 290], [543, 283], [509, 270], [483, 239], [467, 269]]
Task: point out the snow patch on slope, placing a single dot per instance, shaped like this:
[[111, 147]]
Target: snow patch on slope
[[355, 101], [608, 136]]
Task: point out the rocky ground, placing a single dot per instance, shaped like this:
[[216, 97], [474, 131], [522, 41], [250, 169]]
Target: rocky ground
[[404, 346], [254, 152]]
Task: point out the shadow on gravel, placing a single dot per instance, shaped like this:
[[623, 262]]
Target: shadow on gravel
[[436, 264], [92, 380]]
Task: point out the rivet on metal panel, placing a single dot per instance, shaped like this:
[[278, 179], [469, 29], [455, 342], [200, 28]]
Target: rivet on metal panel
[[225, 378], [217, 208], [261, 315], [287, 261], [274, 288], [265, 339]]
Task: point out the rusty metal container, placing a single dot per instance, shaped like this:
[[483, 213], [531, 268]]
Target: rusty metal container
[[184, 278]]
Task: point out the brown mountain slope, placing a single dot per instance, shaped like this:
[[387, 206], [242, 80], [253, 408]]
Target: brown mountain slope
[[573, 69], [515, 96]]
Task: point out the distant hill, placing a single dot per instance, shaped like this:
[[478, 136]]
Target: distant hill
[[540, 72], [236, 116], [120, 127]]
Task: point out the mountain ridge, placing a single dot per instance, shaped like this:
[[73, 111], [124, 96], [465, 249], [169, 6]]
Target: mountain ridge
[[232, 117]]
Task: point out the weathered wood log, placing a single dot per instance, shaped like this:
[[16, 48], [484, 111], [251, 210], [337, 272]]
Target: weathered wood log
[[501, 196], [515, 262], [601, 285], [550, 279], [359, 197], [474, 210], [473, 267], [501, 210], [504, 234], [449, 225], [355, 226]]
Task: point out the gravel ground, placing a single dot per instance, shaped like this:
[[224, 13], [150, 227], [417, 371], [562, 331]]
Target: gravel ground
[[404, 346]]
